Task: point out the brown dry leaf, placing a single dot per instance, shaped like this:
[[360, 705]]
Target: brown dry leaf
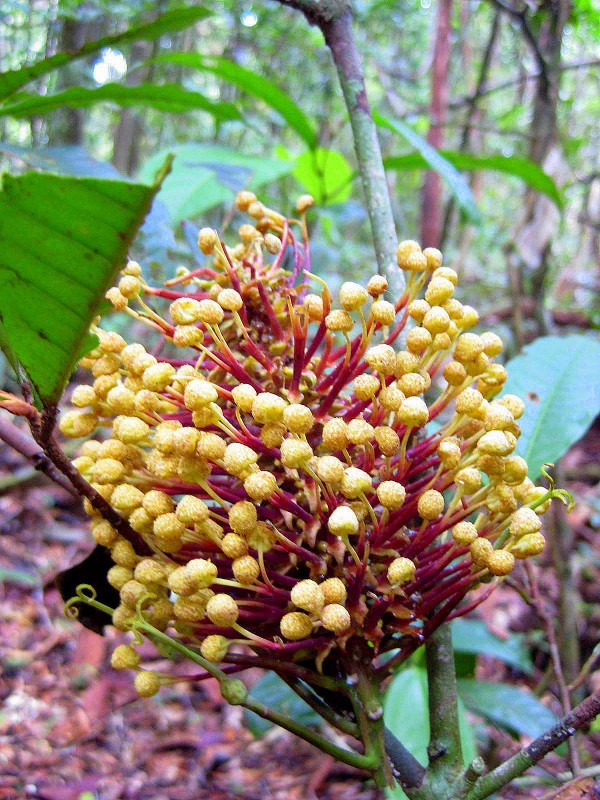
[[579, 789]]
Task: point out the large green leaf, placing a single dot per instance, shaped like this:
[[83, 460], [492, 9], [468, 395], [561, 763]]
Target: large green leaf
[[63, 240], [406, 714], [252, 83], [515, 710], [458, 186], [529, 172], [171, 21], [203, 176], [326, 174], [474, 637], [275, 693], [559, 379], [168, 97], [67, 159]]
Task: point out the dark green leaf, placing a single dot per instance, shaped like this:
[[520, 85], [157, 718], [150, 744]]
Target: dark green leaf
[[406, 714], [64, 159], [474, 637], [276, 694], [63, 240], [168, 97], [458, 186], [326, 174], [517, 711], [200, 179], [559, 379], [171, 21], [529, 172], [252, 83]]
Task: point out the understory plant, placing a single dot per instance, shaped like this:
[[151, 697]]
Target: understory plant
[[311, 483]]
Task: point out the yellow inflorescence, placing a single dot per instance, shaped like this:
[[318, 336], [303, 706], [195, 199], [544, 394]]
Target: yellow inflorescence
[[274, 460]]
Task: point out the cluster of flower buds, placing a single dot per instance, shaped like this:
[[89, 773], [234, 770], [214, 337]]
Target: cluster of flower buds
[[300, 469]]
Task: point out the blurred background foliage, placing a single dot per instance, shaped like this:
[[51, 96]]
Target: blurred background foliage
[[515, 96]]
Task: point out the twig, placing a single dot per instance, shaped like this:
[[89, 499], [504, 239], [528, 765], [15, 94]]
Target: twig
[[407, 770], [581, 715], [25, 445], [334, 19], [565, 701], [521, 18]]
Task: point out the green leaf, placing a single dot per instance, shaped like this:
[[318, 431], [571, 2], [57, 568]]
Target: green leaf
[[69, 159], [63, 240], [171, 21], [517, 711], [203, 176], [168, 97], [474, 637], [406, 714], [275, 693], [256, 85], [458, 186], [529, 172], [559, 380], [326, 174]]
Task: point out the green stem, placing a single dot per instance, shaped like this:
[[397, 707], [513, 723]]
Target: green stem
[[271, 715], [321, 708], [334, 18]]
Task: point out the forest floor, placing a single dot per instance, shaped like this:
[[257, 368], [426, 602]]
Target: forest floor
[[72, 728]]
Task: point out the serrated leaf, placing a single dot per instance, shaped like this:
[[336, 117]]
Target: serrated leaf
[[326, 174], [169, 22], [68, 159], [63, 240], [458, 186], [559, 380], [515, 710], [199, 181], [171, 98], [529, 172], [474, 637], [275, 693], [406, 714], [256, 85]]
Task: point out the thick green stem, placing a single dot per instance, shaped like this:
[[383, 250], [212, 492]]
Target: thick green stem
[[321, 708], [334, 18], [445, 750]]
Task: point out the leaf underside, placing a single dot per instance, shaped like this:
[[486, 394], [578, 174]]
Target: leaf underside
[[63, 241]]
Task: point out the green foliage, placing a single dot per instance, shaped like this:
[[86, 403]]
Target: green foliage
[[473, 636], [168, 97], [458, 186], [517, 711], [559, 379], [250, 82], [326, 174], [203, 176], [63, 159], [531, 174], [63, 240], [406, 714], [275, 693], [171, 21]]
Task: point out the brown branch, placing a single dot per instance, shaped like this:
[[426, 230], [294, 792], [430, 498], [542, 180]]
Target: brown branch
[[520, 18], [543, 613], [579, 717], [23, 444]]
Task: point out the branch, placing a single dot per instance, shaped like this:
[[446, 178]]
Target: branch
[[407, 770], [521, 18], [334, 19], [24, 445], [581, 715]]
